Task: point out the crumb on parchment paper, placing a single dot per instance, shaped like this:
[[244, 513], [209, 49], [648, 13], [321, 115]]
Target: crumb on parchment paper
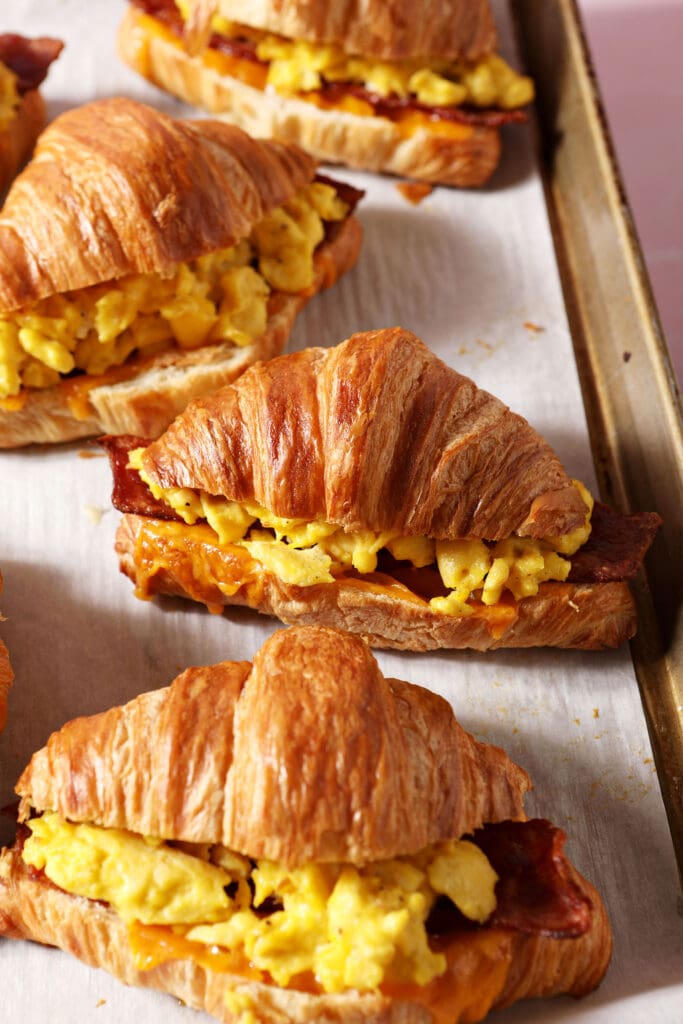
[[480, 348], [414, 191], [621, 787], [94, 513], [90, 453], [533, 328], [609, 781]]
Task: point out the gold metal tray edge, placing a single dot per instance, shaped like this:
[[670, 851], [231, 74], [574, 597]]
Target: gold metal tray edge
[[632, 401]]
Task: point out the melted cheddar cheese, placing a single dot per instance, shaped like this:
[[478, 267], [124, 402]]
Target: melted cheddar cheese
[[222, 296], [304, 554], [347, 926]]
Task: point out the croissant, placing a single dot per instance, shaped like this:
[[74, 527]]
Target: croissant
[[278, 795], [373, 488], [6, 677], [405, 88], [23, 66], [144, 260]]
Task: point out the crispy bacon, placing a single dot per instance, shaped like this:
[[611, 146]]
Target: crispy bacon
[[29, 59], [390, 107], [616, 546], [129, 493], [536, 892]]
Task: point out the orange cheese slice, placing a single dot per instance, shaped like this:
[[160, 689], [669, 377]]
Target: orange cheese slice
[[172, 558], [477, 967]]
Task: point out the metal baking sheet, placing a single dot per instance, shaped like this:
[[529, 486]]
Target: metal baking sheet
[[630, 391], [533, 287]]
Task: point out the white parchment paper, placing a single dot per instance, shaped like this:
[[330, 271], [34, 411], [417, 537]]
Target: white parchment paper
[[474, 275]]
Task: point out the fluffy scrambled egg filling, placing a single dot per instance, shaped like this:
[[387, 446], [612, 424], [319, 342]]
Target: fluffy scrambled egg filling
[[219, 297], [351, 926], [301, 67], [298, 67], [9, 96], [307, 553]]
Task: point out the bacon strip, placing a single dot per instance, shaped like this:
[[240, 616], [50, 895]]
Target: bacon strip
[[536, 892], [29, 59], [129, 493], [392, 107], [616, 546]]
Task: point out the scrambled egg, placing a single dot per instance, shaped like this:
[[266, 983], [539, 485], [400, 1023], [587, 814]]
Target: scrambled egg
[[304, 554], [218, 297], [295, 66], [300, 67], [9, 96], [351, 926]]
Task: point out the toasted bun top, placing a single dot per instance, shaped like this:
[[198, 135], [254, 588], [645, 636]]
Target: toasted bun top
[[391, 29], [309, 754], [116, 188], [377, 433]]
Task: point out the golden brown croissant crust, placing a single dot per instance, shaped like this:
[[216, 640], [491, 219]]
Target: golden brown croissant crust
[[308, 754], [167, 191], [377, 433], [391, 29]]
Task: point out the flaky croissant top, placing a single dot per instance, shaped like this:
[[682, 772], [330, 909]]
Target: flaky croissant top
[[308, 754], [377, 433], [391, 29], [118, 188]]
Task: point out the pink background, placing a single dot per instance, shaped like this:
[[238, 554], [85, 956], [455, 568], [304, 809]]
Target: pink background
[[636, 50]]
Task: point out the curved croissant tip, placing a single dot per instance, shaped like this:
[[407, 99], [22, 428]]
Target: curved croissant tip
[[314, 644]]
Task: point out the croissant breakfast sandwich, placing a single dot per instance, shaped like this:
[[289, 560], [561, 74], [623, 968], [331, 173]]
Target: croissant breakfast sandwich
[[144, 260], [299, 839], [409, 88], [6, 677], [24, 64], [372, 488]]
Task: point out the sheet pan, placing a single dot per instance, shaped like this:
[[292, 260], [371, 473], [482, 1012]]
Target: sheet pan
[[487, 280]]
